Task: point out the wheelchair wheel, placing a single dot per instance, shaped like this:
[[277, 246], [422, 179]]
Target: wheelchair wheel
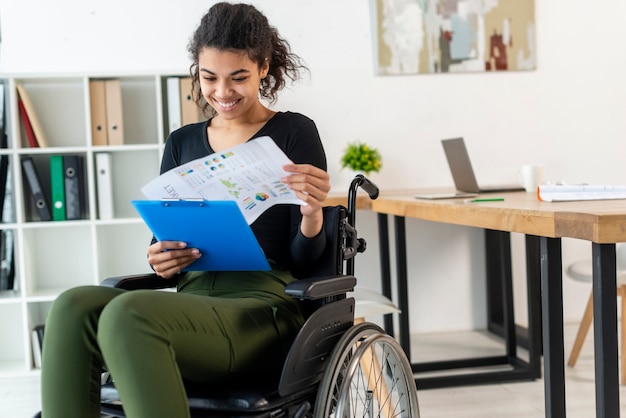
[[368, 375]]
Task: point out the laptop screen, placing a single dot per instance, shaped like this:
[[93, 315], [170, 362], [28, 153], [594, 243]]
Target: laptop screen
[[460, 165]]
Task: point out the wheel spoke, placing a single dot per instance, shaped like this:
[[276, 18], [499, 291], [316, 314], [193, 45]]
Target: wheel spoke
[[374, 378]]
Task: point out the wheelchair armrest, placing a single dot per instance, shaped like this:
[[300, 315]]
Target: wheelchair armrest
[[139, 281], [320, 287], [310, 288]]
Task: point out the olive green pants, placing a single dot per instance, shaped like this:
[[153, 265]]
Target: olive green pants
[[218, 325]]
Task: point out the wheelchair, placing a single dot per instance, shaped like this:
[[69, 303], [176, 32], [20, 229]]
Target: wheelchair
[[335, 368]]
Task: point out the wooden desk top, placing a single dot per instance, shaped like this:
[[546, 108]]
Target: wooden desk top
[[600, 221]]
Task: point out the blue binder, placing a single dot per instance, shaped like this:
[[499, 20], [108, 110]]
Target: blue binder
[[217, 228]]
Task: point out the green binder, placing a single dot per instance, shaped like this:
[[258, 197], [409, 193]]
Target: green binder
[[57, 189]]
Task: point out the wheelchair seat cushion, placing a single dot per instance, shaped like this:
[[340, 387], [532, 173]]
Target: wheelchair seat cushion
[[230, 399]]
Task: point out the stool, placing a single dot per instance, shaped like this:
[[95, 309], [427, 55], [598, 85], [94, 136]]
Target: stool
[[583, 271]]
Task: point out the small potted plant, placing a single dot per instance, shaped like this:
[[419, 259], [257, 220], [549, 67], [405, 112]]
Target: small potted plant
[[360, 157]]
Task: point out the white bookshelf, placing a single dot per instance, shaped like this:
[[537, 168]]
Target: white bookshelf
[[53, 256]]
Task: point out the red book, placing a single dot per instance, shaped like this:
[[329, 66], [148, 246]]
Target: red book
[[32, 141]]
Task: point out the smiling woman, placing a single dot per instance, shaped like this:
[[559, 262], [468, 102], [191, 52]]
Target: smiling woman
[[203, 331]]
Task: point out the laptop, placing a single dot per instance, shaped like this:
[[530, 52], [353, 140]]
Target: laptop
[[217, 228], [463, 175]]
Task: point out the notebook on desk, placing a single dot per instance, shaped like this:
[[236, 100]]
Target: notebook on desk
[[217, 228], [463, 175]]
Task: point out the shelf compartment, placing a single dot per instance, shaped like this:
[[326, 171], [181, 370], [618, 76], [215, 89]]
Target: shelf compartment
[[59, 105], [12, 349], [37, 313], [128, 242], [57, 258], [128, 175], [139, 109], [42, 167]]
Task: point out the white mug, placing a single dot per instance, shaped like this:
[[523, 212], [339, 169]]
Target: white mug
[[530, 176]]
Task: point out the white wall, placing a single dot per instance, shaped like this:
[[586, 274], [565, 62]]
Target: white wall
[[568, 114]]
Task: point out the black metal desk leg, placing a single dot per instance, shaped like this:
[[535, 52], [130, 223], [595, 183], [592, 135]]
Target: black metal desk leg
[[605, 330], [500, 310], [403, 284], [552, 306], [385, 269], [533, 290]]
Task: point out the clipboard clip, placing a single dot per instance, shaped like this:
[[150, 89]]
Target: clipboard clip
[[167, 200]]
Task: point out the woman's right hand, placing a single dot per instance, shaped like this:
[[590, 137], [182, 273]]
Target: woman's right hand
[[168, 258]]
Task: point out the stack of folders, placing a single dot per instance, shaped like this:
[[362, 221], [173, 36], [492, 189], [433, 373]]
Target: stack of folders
[[107, 120], [574, 192], [66, 188]]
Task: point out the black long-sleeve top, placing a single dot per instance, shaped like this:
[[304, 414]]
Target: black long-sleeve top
[[278, 228]]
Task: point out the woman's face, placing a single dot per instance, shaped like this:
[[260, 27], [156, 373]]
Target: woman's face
[[229, 81]]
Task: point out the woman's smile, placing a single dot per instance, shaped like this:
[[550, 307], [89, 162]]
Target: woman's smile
[[226, 105]]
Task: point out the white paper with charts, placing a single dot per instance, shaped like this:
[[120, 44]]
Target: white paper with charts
[[249, 174]]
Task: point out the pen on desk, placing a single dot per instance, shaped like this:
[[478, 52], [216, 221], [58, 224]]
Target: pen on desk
[[487, 199]]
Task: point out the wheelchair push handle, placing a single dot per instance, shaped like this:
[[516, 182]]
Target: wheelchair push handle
[[354, 244], [366, 184]]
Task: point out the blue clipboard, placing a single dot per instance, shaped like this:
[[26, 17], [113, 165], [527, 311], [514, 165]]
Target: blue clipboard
[[217, 228]]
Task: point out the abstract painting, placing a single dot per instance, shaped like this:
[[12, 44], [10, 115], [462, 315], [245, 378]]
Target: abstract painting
[[448, 36]]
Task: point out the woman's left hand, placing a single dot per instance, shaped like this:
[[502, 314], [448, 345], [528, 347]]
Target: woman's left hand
[[311, 184]]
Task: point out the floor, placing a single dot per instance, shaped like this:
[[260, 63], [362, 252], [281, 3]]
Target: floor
[[506, 400], [19, 397]]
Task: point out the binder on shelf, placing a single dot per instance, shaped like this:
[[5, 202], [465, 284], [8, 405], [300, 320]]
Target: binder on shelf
[[97, 103], [104, 185], [36, 191], [73, 182], [114, 114], [4, 159], [7, 263], [37, 343], [57, 187], [174, 116], [2, 106], [4, 174], [28, 127], [188, 108], [42, 141]]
